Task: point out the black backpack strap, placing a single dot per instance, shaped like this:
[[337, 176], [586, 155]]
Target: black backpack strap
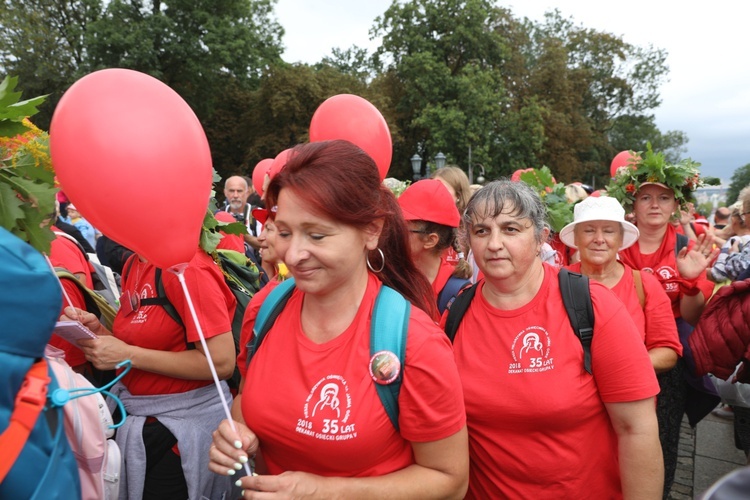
[[269, 311], [457, 309], [450, 291], [682, 242], [162, 300], [576, 296]]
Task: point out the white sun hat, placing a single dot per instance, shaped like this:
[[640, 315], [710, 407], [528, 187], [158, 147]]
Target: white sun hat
[[601, 208]]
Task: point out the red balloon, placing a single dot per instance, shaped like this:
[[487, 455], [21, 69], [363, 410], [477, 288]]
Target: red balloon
[[279, 162], [259, 174], [516, 176], [622, 159], [352, 118], [133, 157]]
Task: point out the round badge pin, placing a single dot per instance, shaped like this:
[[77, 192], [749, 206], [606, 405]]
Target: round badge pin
[[384, 367]]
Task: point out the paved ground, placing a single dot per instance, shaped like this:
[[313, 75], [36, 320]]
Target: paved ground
[[706, 454]]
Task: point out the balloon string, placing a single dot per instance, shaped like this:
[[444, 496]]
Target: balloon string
[[62, 287], [224, 404]]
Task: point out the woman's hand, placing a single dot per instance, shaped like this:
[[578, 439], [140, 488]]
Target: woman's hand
[[692, 263], [286, 485], [230, 449], [106, 352], [684, 218], [86, 318]]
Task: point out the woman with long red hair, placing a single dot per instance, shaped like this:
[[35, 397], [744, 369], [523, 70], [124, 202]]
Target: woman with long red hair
[[310, 407]]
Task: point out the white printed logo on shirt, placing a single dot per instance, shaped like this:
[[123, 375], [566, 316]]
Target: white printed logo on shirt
[[666, 276], [531, 351], [327, 411]]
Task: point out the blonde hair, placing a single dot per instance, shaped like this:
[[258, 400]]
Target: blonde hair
[[458, 181], [575, 193], [744, 198]]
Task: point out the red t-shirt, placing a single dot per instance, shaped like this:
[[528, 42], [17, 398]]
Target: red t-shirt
[[538, 427], [444, 273], [315, 408], [64, 253], [451, 256], [151, 327], [663, 265], [248, 321], [654, 321]]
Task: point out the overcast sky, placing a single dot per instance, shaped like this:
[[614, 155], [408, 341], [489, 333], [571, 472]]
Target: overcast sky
[[708, 92]]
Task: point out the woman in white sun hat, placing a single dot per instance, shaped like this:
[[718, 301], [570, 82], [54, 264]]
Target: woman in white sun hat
[[599, 231]]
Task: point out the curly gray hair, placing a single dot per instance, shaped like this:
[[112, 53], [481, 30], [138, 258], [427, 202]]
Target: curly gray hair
[[504, 196]]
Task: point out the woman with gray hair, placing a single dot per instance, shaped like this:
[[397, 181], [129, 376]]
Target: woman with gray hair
[[539, 424]]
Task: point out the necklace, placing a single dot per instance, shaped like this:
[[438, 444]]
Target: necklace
[[138, 269], [131, 302]]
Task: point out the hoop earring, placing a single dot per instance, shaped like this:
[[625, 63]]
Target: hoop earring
[[382, 261]]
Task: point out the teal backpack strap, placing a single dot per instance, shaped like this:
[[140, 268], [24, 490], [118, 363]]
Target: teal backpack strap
[[269, 310], [388, 331]]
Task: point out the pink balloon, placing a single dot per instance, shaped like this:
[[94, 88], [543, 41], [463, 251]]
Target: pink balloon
[[259, 174], [133, 157], [622, 159], [352, 118]]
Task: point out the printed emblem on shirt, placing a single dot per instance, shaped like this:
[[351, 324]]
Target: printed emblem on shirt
[[531, 351], [327, 411], [141, 315], [667, 276]]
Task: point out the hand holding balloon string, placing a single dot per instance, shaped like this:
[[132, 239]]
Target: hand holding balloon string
[[179, 270]]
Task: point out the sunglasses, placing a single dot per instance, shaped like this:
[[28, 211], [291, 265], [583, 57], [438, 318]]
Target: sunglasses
[[740, 216]]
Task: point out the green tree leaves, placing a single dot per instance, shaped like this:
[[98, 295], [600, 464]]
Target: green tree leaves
[[449, 76], [27, 196], [740, 179]]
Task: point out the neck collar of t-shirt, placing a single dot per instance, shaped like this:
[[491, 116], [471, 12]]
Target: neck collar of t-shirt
[[540, 297]]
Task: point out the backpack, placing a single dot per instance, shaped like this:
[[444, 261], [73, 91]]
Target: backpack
[[576, 296], [388, 332], [96, 301], [242, 277], [35, 458], [34, 442], [450, 291], [104, 299], [88, 423]]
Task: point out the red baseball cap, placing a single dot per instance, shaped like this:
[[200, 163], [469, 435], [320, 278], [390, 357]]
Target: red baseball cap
[[260, 214], [429, 200]]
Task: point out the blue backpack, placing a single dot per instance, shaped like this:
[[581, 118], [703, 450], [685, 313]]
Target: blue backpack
[[388, 332], [36, 460]]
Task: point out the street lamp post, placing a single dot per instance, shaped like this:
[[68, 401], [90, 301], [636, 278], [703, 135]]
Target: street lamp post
[[480, 177], [416, 166], [439, 161], [470, 171]]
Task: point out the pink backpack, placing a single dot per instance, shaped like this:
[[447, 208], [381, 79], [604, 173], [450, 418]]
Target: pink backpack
[[87, 426]]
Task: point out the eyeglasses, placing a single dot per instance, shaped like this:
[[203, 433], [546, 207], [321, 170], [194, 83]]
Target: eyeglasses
[[740, 216], [418, 231]]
